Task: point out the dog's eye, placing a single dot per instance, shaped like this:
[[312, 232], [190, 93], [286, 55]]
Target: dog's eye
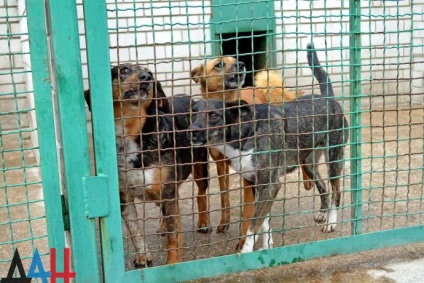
[[214, 116], [219, 65], [124, 70]]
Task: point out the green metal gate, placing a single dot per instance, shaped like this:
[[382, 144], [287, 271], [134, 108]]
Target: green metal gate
[[91, 196]]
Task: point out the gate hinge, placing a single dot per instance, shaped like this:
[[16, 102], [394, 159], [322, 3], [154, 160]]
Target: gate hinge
[[96, 196], [65, 214]]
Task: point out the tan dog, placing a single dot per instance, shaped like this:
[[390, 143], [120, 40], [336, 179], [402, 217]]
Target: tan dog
[[222, 78]]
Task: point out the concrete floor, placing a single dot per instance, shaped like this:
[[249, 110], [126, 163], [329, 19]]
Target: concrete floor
[[392, 195], [22, 216], [401, 264]]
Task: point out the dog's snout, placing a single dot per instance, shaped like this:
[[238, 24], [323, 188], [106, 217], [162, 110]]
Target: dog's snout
[[198, 136], [145, 76]]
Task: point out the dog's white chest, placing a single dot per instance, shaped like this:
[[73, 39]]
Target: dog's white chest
[[127, 151], [136, 180], [241, 160]]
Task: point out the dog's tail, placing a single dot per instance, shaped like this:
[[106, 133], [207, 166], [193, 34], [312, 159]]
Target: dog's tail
[[325, 85], [271, 83]]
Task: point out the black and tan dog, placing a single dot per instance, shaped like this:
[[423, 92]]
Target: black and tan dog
[[264, 142], [154, 156]]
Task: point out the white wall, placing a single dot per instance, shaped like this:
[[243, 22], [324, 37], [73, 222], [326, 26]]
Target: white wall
[[417, 71], [167, 50], [13, 90], [172, 50]]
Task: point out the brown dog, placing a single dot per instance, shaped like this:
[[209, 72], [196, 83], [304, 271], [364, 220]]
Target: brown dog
[[222, 78]]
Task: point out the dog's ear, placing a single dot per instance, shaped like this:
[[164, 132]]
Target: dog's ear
[[238, 109], [87, 98], [114, 71], [197, 73], [161, 99]]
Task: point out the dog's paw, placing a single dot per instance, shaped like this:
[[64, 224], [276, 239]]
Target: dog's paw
[[203, 228], [320, 217], [328, 228], [267, 245], [248, 246], [239, 245], [143, 260], [249, 242], [222, 228], [268, 242]]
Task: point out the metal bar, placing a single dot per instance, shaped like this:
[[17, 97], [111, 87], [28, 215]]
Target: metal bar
[[104, 135], [278, 256], [73, 126], [46, 134], [355, 114]]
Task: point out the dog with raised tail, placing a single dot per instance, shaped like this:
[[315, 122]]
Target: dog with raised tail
[[222, 78], [265, 141]]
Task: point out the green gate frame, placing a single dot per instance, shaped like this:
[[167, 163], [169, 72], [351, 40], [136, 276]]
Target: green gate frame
[[84, 209], [46, 134]]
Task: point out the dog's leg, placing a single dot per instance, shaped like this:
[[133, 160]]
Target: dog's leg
[[143, 257], [310, 168], [154, 194], [267, 239], [200, 175], [331, 223], [249, 242], [335, 169], [223, 169], [307, 183], [335, 166], [266, 196], [162, 227], [248, 209], [172, 218]]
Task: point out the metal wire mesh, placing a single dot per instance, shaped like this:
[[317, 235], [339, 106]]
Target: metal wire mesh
[[172, 39], [22, 216], [393, 187]]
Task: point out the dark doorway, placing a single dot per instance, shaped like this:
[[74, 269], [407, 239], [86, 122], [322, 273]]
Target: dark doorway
[[250, 49]]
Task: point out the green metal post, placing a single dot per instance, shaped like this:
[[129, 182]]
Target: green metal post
[[73, 125], [355, 115], [104, 136], [46, 134]]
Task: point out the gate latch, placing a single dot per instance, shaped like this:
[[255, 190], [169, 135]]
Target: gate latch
[[96, 196]]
